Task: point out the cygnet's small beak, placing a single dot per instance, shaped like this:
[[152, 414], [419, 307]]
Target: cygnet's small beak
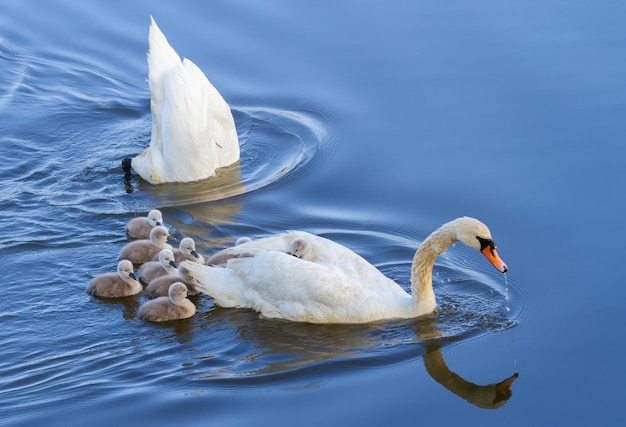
[[194, 254], [158, 223], [173, 264], [132, 276], [493, 257]]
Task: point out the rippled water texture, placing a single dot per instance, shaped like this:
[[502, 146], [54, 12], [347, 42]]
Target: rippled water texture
[[369, 124], [68, 124]]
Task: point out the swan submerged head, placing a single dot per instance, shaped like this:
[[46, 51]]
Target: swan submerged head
[[476, 235]]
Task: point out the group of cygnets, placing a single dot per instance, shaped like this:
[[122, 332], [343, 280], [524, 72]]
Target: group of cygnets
[[157, 262]]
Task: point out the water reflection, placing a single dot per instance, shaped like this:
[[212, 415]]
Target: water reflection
[[129, 305], [262, 353], [226, 183], [490, 396]]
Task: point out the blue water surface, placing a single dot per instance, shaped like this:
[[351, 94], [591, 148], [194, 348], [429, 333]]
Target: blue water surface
[[369, 123]]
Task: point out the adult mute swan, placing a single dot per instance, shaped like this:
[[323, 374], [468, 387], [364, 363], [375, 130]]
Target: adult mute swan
[[140, 227], [193, 130], [339, 286]]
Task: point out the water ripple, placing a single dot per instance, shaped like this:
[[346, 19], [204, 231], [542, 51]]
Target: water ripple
[[276, 145]]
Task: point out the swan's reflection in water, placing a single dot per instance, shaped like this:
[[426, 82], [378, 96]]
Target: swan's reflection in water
[[240, 349], [490, 396], [226, 183]]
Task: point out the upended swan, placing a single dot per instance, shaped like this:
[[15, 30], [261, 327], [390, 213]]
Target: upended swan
[[140, 227], [123, 283], [193, 130], [175, 306], [338, 287]]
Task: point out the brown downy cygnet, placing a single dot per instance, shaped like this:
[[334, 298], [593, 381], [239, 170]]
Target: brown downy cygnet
[[172, 307], [141, 251], [153, 269], [116, 285], [140, 227], [187, 251], [159, 286], [242, 240], [300, 248]]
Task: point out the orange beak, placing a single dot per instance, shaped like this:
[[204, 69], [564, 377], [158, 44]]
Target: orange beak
[[493, 257]]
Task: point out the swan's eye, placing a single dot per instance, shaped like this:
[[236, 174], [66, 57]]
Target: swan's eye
[[484, 243]]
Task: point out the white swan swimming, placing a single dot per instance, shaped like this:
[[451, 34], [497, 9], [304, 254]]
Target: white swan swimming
[[153, 269], [193, 130], [140, 227], [123, 283], [338, 287], [175, 306]]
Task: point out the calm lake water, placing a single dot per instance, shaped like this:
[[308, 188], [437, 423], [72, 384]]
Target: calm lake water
[[371, 123]]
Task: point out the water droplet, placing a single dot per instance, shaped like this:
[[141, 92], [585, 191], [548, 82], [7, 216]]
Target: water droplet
[[506, 293]]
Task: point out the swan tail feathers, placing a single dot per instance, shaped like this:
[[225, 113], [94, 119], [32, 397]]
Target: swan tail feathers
[[216, 282]]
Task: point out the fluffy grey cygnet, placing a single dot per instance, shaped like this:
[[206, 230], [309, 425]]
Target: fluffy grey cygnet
[[302, 249], [140, 227], [141, 251], [187, 251], [153, 269], [116, 285], [175, 306]]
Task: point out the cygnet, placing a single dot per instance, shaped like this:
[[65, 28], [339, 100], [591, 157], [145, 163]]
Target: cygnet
[[175, 306], [116, 285], [142, 251], [140, 227], [153, 269]]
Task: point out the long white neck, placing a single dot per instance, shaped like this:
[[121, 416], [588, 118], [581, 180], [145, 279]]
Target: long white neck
[[423, 296]]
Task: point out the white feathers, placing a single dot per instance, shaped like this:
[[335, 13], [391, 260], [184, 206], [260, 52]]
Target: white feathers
[[193, 130]]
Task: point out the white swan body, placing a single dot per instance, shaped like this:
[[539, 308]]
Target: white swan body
[[153, 269], [193, 130], [175, 306], [123, 283], [140, 227], [339, 286]]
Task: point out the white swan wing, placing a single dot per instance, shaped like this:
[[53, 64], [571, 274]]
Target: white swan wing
[[339, 287]]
